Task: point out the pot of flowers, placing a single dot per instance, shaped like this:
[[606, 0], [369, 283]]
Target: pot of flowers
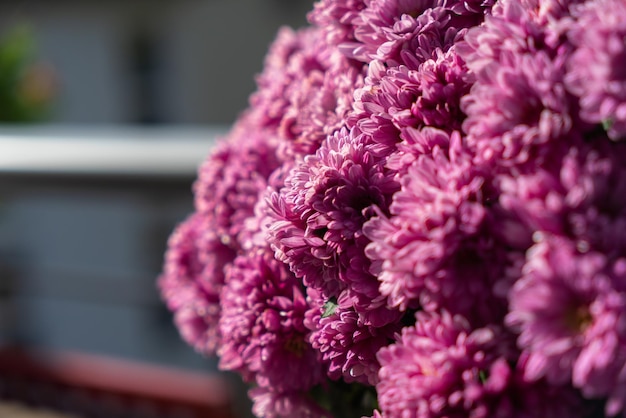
[[422, 213]]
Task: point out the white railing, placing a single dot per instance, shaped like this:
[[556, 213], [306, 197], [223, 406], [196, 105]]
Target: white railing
[[105, 150]]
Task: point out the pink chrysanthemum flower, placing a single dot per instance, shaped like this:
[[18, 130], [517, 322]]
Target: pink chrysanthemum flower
[[395, 104], [305, 90], [349, 344], [320, 213], [538, 399], [262, 325], [369, 116], [441, 367], [499, 391], [336, 18], [597, 68], [510, 29], [436, 250], [407, 32], [372, 23], [191, 282], [256, 227], [428, 95], [581, 194], [519, 111], [419, 142], [289, 404], [431, 95], [232, 177], [319, 104], [570, 310]]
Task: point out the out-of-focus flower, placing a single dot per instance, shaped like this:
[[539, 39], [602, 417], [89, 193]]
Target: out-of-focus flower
[[28, 85], [596, 71], [305, 90], [436, 250], [192, 280], [262, 325], [289, 404], [441, 368], [570, 310], [580, 195], [232, 178]]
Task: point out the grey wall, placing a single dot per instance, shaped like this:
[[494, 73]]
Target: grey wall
[[185, 61]]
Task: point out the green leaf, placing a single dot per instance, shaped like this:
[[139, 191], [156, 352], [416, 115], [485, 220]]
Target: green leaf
[[330, 307]]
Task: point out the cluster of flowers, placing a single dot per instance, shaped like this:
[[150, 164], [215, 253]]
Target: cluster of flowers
[[422, 213]]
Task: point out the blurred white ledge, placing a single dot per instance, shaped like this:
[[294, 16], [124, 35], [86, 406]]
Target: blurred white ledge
[[105, 150]]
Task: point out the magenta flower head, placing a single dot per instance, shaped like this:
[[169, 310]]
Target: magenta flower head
[[337, 18], [518, 110], [570, 311], [191, 282], [596, 70], [262, 325], [397, 103], [399, 32], [305, 90], [347, 340], [436, 249], [232, 177], [288, 404], [320, 213], [580, 194], [441, 367]]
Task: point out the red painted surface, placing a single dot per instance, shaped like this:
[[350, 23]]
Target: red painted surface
[[92, 386]]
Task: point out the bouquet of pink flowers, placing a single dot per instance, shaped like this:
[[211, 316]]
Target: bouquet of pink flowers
[[422, 213]]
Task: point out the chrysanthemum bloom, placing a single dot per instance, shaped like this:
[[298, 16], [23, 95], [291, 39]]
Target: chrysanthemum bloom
[[320, 212], [255, 228], [437, 249], [419, 142], [505, 394], [522, 399], [597, 68], [191, 282], [262, 325], [510, 29], [319, 103], [305, 90], [369, 116], [232, 177], [519, 111], [347, 343], [547, 12], [431, 95], [581, 195], [570, 311], [269, 403], [441, 367], [335, 17], [396, 104], [407, 32]]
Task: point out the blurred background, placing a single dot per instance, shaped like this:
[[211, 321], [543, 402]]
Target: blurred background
[[106, 110]]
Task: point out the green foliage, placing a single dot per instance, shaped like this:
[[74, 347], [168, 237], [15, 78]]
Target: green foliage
[[26, 86]]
